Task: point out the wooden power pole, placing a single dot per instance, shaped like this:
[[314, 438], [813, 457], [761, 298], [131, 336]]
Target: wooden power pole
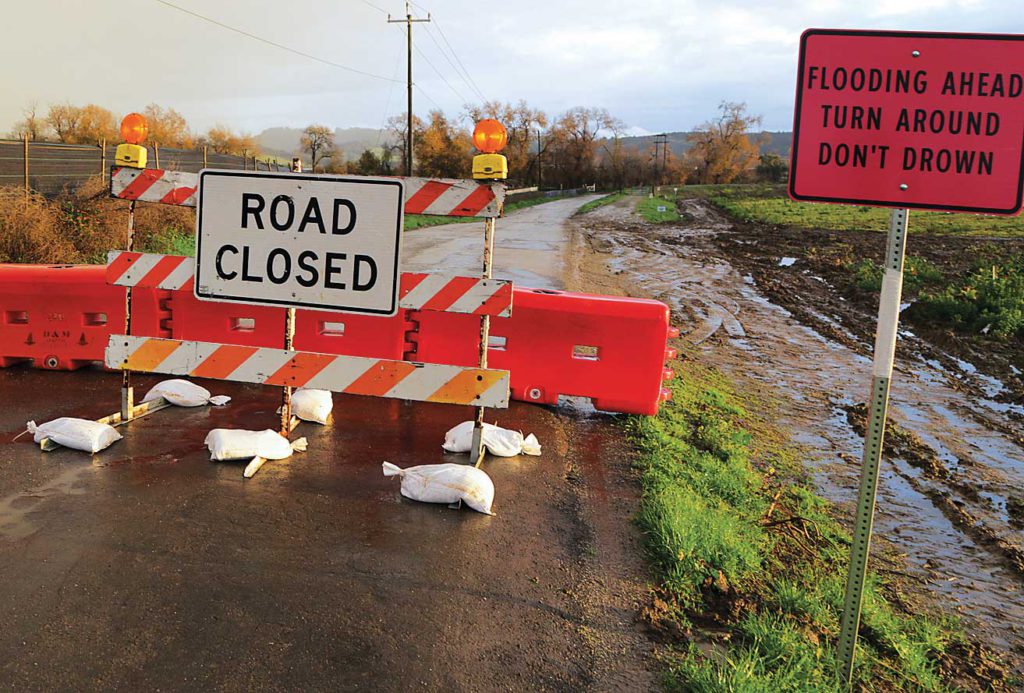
[[409, 21]]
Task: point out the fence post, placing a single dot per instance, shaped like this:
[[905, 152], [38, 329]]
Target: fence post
[[156, 152], [25, 155], [245, 159], [103, 160], [204, 157]]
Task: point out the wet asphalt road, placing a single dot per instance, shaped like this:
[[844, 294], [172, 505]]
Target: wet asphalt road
[[147, 567]]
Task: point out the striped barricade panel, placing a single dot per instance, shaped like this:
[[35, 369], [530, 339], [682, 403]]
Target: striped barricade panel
[[419, 291], [354, 375], [446, 197]]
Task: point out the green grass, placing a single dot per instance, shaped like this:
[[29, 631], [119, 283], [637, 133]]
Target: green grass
[[648, 208], [769, 204], [170, 241], [600, 202], [731, 530]]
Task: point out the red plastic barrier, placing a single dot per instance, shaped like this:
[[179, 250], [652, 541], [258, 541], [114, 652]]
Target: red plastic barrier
[[58, 317], [263, 326], [609, 349]]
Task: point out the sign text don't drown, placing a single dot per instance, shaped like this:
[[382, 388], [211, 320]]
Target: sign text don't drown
[[299, 240], [909, 119]]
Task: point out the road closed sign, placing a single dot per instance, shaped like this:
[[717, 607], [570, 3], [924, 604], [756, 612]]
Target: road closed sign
[[307, 241], [910, 120]]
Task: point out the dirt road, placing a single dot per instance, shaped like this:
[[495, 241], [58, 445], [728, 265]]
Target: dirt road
[[944, 490], [149, 567]]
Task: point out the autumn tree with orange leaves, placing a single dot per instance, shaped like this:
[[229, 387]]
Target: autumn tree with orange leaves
[[722, 150]]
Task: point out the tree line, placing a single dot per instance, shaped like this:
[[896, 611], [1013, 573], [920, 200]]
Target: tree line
[[580, 146], [92, 124]]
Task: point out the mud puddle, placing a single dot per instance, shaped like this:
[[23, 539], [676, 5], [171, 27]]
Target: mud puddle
[[944, 500]]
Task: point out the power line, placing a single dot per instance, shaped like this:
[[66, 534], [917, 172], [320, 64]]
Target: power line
[[431, 100], [461, 76], [376, 7], [443, 78], [391, 91], [277, 45], [464, 73], [459, 61]]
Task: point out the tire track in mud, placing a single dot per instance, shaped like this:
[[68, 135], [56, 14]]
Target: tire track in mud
[[949, 517]]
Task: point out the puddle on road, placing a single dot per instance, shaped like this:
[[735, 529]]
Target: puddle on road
[[16, 510], [749, 338]]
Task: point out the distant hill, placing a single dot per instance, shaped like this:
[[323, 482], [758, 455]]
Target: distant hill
[[777, 142], [284, 142]]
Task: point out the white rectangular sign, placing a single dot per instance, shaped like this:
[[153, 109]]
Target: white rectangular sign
[[301, 240]]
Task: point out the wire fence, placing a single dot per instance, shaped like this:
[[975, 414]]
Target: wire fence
[[51, 168]]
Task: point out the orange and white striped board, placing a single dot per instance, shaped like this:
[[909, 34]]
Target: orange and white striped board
[[419, 291], [447, 197], [354, 375]]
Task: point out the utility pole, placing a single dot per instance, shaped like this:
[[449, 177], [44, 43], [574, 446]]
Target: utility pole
[[409, 21], [540, 177]]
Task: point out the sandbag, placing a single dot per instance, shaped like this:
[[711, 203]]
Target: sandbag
[[446, 483], [182, 393], [312, 405], [236, 444], [498, 441], [77, 434]]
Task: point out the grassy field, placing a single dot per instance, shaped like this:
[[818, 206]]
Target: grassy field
[[769, 204], [649, 210], [600, 202], [752, 564]]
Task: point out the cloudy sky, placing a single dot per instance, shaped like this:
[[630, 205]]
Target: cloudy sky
[[659, 65]]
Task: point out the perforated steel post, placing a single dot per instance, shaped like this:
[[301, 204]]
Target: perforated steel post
[[286, 398], [127, 394], [878, 405], [477, 451]]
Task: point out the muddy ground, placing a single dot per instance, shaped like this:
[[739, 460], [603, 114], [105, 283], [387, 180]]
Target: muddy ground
[[795, 334]]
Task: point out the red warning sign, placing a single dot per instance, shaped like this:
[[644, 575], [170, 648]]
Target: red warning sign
[[909, 119]]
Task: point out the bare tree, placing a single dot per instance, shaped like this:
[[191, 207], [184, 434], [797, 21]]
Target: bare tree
[[32, 125], [318, 140]]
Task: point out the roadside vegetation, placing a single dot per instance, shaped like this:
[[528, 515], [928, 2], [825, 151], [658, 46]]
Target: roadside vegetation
[[657, 210], [769, 204], [80, 227], [752, 565], [978, 292], [599, 202]]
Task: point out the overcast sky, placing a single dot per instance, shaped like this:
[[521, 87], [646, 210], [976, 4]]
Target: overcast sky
[[659, 65]]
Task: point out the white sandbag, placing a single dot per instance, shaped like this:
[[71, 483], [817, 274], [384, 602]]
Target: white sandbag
[[312, 405], [446, 483], [499, 441], [235, 444], [77, 434], [182, 393]]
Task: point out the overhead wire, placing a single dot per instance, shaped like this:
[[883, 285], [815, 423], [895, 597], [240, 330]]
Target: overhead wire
[[461, 76], [275, 44], [458, 60]]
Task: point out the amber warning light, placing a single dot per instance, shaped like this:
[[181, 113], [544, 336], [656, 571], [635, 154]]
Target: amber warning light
[[131, 153], [490, 137]]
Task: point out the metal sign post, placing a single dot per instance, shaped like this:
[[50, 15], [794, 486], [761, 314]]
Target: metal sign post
[[906, 120], [885, 351], [477, 450]]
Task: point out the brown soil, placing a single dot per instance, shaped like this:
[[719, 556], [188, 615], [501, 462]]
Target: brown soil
[[798, 338]]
